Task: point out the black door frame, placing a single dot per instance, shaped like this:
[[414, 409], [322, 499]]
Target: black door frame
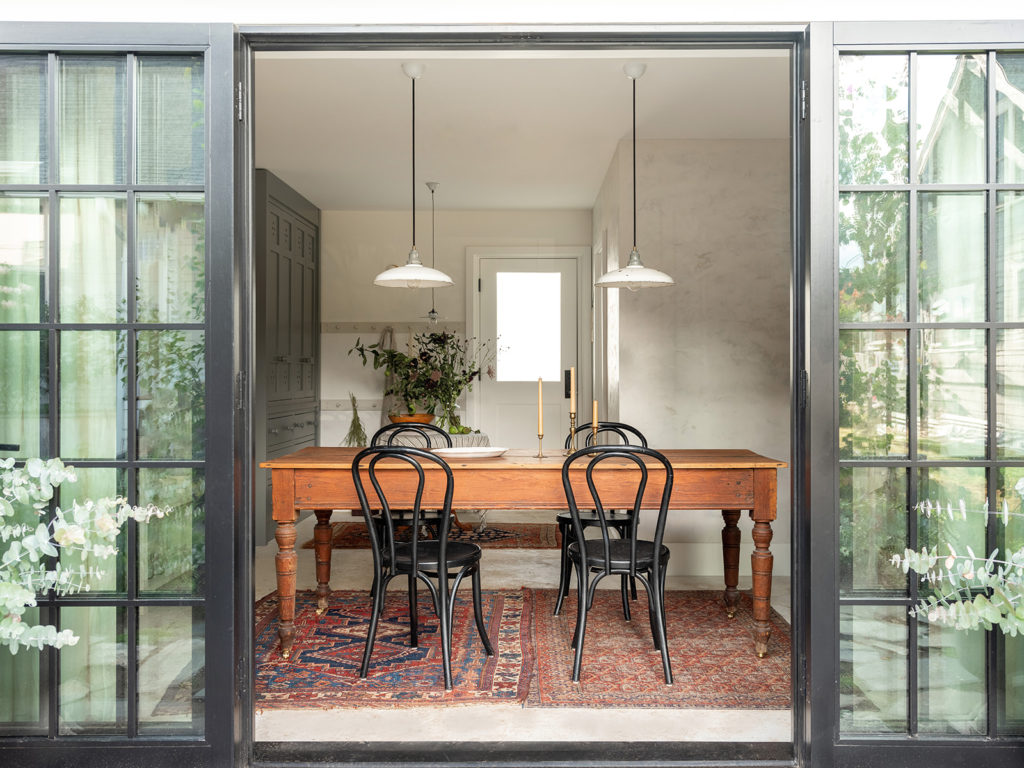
[[216, 748], [793, 37]]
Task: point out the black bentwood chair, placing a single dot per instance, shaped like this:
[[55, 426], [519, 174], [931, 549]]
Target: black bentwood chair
[[602, 556], [619, 520], [419, 559], [425, 436]]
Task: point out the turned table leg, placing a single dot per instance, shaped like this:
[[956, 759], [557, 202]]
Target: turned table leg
[[322, 534], [761, 561], [731, 559], [286, 566]]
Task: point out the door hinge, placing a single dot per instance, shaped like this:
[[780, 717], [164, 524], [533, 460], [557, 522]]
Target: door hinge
[[802, 391], [239, 102], [803, 99]]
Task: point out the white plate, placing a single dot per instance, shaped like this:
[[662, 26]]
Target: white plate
[[476, 452]]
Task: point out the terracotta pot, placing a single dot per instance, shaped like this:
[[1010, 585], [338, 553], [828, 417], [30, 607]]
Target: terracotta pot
[[415, 418]]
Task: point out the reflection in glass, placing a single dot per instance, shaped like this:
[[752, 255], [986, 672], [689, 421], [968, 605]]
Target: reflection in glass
[[92, 672], [171, 394], [1010, 393], [93, 395], [872, 394], [24, 413], [171, 258], [1010, 256], [172, 670], [951, 94], [953, 392], [22, 258], [1009, 77], [951, 270], [21, 697], [92, 119], [872, 103], [529, 322], [172, 554], [171, 120], [1011, 716], [950, 680], [97, 483], [948, 487], [872, 528], [93, 280], [23, 156], [872, 256], [872, 669]]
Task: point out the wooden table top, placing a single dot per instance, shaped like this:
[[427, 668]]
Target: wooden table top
[[317, 457]]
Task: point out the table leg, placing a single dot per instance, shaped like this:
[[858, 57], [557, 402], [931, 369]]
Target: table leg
[[761, 561], [286, 566], [322, 535], [731, 559]]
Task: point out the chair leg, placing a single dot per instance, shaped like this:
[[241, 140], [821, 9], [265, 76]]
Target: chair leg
[[413, 612], [380, 585], [478, 611], [564, 569], [662, 642], [581, 623], [625, 596], [446, 630]]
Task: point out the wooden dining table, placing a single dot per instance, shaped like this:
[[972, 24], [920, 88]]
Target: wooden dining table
[[320, 479]]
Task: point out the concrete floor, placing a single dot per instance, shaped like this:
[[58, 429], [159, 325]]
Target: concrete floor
[[507, 568]]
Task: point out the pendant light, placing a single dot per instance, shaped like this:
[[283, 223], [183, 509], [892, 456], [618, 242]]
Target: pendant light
[[634, 275], [413, 274]]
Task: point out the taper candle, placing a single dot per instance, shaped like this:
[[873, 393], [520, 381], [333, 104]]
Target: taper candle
[[540, 406], [593, 421], [572, 389]]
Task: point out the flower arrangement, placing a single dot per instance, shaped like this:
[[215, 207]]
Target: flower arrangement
[[27, 539], [436, 370]]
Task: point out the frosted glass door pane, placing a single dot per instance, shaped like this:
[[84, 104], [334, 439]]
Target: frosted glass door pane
[[92, 119], [529, 322], [22, 259], [23, 127], [92, 260]]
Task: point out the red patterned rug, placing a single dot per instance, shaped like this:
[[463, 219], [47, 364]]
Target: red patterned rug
[[504, 536], [323, 670], [714, 665]]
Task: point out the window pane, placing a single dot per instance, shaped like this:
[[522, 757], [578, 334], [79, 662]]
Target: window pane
[[171, 259], [952, 420], [951, 263], [951, 680], [92, 119], [872, 527], [529, 324], [172, 670], [172, 555], [171, 394], [951, 94], [97, 483], [1010, 255], [93, 395], [1010, 538], [24, 410], [872, 256], [1011, 718], [22, 259], [1009, 76], [21, 694], [872, 119], [872, 394], [949, 486], [93, 279], [872, 669], [92, 672], [1010, 393], [171, 120], [23, 127]]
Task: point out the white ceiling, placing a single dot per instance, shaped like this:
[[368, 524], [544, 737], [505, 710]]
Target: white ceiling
[[497, 131]]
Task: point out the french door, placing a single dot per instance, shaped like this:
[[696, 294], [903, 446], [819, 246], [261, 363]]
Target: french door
[[117, 317], [917, 352]]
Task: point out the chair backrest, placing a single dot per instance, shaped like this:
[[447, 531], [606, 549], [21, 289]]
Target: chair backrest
[[381, 525], [597, 454], [628, 434], [422, 435]]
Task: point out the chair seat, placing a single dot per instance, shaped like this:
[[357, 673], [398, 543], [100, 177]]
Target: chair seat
[[459, 553], [619, 553]]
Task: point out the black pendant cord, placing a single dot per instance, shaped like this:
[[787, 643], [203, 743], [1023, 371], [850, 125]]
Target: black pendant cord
[[413, 162], [634, 163]]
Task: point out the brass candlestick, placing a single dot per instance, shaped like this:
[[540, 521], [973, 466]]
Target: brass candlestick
[[572, 434], [540, 446]]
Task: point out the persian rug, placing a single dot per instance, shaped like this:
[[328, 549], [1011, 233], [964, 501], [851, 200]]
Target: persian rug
[[714, 665], [323, 670], [503, 536]]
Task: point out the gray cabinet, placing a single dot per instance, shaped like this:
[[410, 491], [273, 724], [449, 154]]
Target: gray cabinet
[[286, 411]]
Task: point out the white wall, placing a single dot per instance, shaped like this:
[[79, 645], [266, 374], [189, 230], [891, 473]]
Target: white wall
[[705, 363], [357, 245]]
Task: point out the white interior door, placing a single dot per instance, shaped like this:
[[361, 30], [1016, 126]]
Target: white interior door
[[528, 305]]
